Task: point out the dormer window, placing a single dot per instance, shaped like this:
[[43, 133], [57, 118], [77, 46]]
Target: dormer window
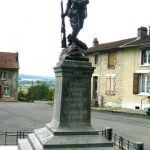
[[145, 60]]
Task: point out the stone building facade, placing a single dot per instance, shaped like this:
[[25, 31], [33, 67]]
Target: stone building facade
[[122, 71], [9, 66]]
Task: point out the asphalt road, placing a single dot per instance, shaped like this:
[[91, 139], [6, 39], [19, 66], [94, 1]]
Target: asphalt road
[[29, 116], [133, 128]]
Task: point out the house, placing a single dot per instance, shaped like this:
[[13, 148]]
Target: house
[[9, 66], [122, 71]]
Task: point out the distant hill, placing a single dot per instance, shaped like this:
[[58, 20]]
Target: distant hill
[[35, 77]]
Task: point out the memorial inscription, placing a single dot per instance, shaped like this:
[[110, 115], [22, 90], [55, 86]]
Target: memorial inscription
[[75, 101]]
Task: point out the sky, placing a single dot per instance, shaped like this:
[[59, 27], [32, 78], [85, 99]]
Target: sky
[[32, 28]]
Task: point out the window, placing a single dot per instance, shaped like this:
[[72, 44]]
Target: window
[[111, 59], [96, 59], [2, 75], [141, 84], [110, 85], [6, 92], [145, 83], [145, 59]]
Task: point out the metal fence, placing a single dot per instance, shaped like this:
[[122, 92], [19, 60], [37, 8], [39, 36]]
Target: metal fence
[[120, 142], [11, 138]]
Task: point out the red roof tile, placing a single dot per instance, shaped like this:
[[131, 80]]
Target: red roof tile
[[9, 60], [108, 46]]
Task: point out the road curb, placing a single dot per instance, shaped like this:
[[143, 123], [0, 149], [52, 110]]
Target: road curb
[[122, 113]]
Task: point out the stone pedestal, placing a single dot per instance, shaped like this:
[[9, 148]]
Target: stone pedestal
[[70, 128]]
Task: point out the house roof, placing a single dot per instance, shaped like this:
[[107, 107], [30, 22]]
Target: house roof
[[9, 60], [138, 42], [109, 45]]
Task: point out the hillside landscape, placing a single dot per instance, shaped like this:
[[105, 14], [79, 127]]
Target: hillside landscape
[[25, 80]]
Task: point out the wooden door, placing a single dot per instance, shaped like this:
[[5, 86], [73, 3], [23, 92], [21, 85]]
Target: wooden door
[[95, 83]]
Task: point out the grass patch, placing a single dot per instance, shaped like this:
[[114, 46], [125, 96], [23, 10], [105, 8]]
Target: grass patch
[[50, 103]]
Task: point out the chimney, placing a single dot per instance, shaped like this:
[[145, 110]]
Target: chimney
[[17, 57], [142, 32], [95, 42]]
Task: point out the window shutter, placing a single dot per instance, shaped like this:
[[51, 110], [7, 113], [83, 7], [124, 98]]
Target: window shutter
[[110, 85], [135, 83], [111, 59]]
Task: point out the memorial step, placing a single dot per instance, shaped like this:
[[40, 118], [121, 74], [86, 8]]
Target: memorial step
[[23, 144], [34, 142]]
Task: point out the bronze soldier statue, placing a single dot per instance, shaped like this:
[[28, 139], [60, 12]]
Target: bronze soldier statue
[[76, 10]]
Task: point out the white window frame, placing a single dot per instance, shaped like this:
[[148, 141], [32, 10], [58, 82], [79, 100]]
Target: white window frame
[[146, 85], [2, 75], [147, 63]]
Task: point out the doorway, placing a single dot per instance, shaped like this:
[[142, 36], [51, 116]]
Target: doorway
[[95, 83]]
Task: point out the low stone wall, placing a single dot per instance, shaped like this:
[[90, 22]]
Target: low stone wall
[[8, 100]]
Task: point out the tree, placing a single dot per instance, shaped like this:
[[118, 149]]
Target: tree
[[38, 92], [51, 94]]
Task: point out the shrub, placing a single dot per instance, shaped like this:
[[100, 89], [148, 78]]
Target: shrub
[[40, 92], [22, 96]]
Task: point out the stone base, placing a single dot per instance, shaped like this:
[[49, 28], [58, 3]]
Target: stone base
[[46, 139], [73, 53], [70, 128]]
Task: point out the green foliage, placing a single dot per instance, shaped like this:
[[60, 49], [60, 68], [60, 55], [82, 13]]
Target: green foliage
[[40, 92], [22, 96], [51, 95], [50, 103]]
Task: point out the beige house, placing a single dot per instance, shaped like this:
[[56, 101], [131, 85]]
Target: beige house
[[9, 67], [122, 72]]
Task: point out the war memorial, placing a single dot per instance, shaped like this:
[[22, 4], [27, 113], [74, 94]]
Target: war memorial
[[70, 127]]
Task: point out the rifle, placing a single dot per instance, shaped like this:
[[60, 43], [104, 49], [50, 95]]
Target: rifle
[[63, 30]]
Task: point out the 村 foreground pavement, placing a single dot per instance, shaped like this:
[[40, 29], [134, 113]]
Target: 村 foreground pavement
[[8, 147]]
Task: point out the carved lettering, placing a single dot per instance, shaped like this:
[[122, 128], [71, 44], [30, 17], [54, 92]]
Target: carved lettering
[[76, 102]]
